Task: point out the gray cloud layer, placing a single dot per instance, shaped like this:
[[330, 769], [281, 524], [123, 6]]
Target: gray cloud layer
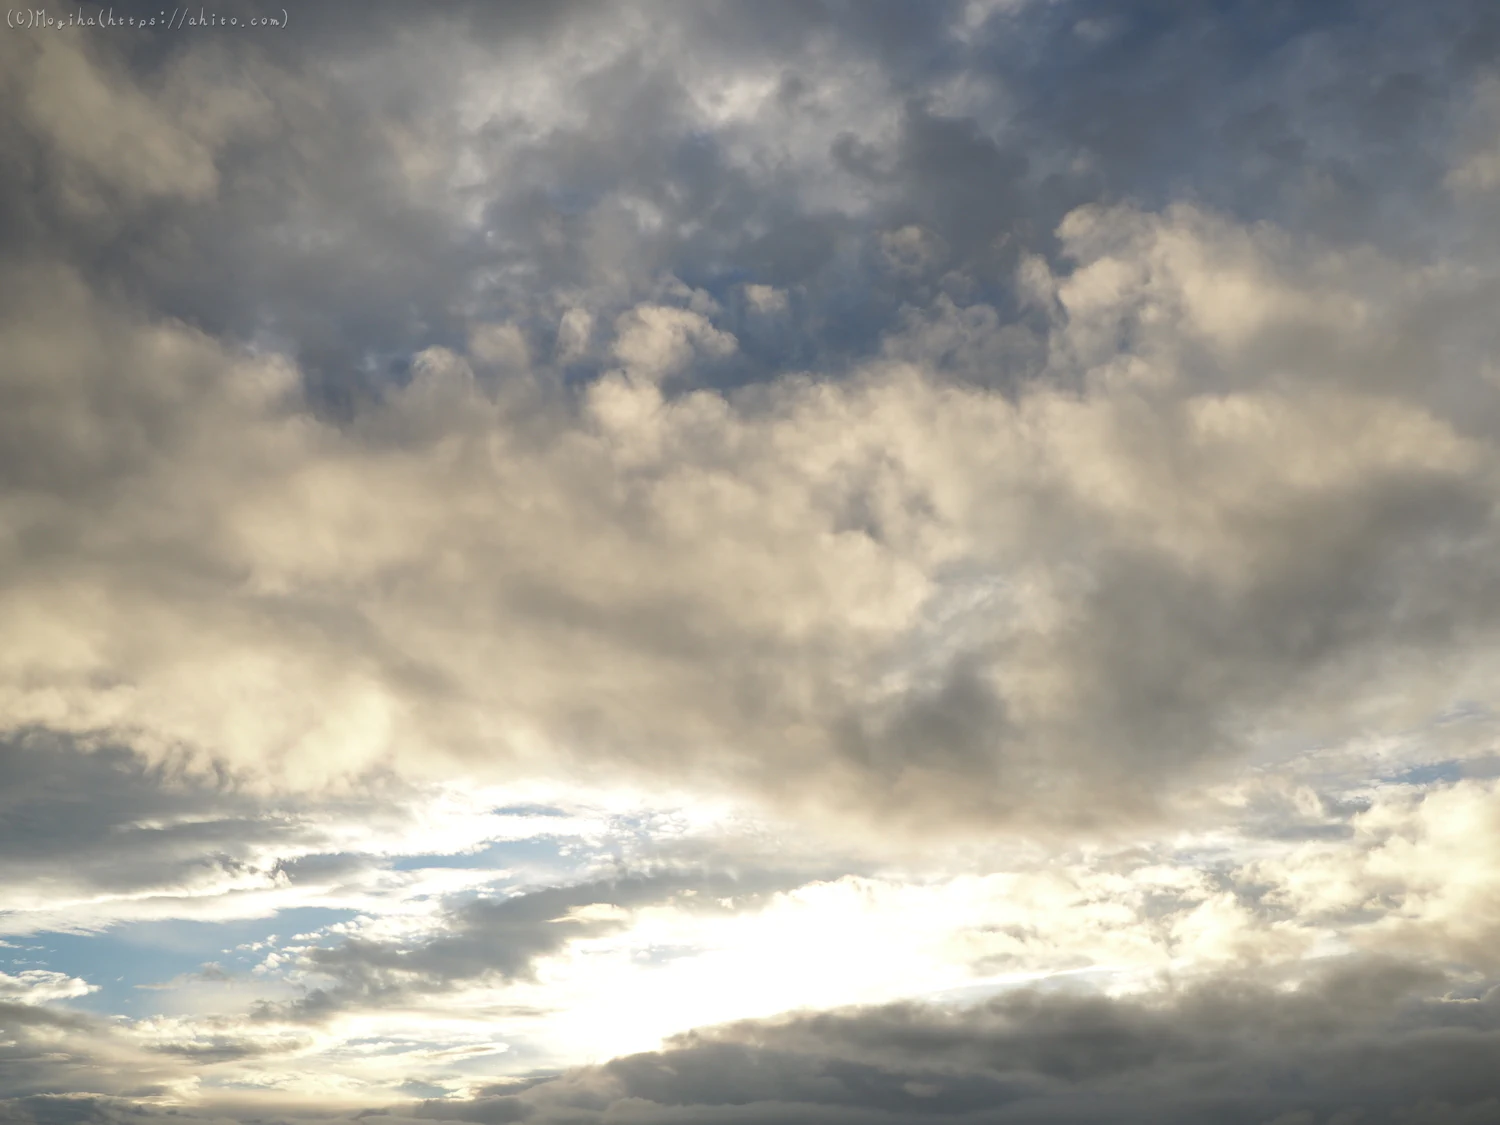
[[1274, 489], [914, 420], [1373, 1042], [1378, 1040]]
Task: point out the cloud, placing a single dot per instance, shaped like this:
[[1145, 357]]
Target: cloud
[[520, 164], [1426, 864], [47, 1050], [1379, 1041], [1374, 1038], [92, 836], [37, 986], [744, 589], [69, 89], [1015, 483], [80, 823], [487, 941], [655, 341]]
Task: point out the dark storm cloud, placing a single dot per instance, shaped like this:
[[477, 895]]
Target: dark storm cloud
[[1378, 1042], [1382, 1043]]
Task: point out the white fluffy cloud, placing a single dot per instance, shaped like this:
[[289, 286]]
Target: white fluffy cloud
[[37, 986]]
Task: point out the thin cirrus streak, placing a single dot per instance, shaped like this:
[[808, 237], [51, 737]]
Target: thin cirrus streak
[[666, 562]]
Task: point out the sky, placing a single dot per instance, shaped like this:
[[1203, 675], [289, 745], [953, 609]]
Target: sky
[[837, 562]]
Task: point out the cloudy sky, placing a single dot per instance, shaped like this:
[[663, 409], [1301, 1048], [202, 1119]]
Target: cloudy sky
[[751, 562]]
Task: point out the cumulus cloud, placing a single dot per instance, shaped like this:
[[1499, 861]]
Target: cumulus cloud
[[37, 986], [1152, 567], [1015, 480], [1424, 864]]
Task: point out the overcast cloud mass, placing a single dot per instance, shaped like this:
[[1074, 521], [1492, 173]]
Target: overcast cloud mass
[[751, 562]]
